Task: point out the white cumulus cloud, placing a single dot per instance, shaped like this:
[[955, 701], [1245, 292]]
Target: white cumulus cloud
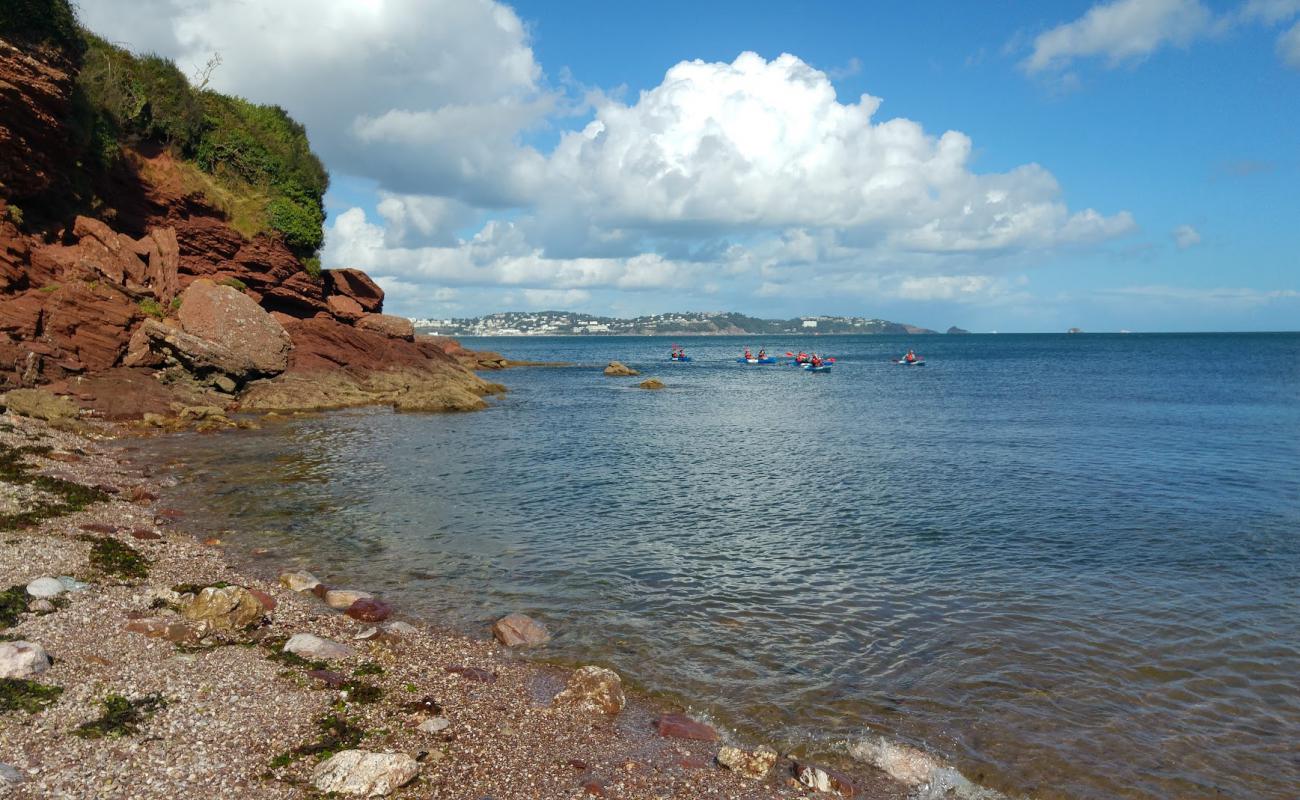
[[1186, 236], [1120, 31]]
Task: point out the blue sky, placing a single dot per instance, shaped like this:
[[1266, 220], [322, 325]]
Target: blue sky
[[1120, 165]]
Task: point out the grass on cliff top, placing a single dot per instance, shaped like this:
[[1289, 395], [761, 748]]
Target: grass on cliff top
[[68, 497]]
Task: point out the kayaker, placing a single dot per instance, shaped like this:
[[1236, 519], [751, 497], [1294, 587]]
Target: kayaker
[[816, 360], [748, 356], [910, 357], [802, 357], [762, 354]]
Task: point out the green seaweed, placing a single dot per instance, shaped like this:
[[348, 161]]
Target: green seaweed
[[121, 717], [17, 694], [110, 557], [336, 733], [359, 692], [368, 668], [275, 651], [13, 602], [68, 497]]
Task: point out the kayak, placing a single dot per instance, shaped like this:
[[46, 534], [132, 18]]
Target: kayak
[[768, 360], [677, 358], [920, 362], [822, 368]]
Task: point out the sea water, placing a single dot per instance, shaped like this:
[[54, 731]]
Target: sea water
[[1064, 566]]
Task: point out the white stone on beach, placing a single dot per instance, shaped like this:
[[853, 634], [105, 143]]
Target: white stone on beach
[[359, 772], [310, 646], [342, 599], [71, 584], [435, 724], [46, 588], [22, 659], [298, 580]]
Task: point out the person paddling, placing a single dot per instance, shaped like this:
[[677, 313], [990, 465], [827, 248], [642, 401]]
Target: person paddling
[[748, 355], [910, 357], [762, 353], [816, 360]]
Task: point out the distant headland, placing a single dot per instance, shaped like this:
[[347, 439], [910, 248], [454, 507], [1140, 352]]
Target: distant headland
[[689, 323]]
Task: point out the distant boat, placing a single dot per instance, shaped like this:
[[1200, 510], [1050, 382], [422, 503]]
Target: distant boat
[[1075, 330]]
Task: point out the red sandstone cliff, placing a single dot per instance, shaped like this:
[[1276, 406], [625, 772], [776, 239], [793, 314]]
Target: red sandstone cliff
[[96, 298]]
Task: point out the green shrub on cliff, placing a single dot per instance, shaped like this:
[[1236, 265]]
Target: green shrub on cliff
[[257, 153], [41, 22]]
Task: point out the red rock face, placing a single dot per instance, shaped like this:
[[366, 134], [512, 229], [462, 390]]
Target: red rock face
[[325, 343], [357, 285], [389, 325], [36, 145]]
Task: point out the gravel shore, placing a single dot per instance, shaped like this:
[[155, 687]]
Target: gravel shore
[[158, 701]]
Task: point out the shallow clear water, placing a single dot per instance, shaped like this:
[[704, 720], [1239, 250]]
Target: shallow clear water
[[1068, 564]]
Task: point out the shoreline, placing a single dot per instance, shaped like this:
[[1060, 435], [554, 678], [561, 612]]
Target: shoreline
[[231, 706]]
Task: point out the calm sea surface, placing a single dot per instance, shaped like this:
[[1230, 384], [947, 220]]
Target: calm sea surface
[[1069, 565]]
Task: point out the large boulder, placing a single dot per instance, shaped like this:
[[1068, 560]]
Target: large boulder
[[360, 772], [354, 284], [22, 659], [228, 317], [389, 325], [227, 609], [344, 307]]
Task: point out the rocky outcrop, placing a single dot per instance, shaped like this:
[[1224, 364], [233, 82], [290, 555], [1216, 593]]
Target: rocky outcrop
[[159, 279], [356, 286], [389, 325], [39, 404], [225, 609], [651, 383]]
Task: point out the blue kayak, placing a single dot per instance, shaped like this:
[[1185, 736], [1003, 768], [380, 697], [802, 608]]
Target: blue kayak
[[681, 358], [822, 368], [768, 360]]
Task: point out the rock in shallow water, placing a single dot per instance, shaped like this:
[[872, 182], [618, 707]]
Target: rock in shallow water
[[753, 765], [22, 659], [45, 588], [298, 580], [822, 779], [680, 726], [359, 772], [314, 647], [618, 369], [520, 630], [368, 609], [594, 689], [342, 599]]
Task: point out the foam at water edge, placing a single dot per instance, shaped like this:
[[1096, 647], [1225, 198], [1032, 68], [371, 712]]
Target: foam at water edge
[[932, 779]]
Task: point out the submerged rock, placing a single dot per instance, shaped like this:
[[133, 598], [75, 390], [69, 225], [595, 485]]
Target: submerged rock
[[594, 689], [755, 764], [822, 779], [368, 609], [520, 630], [617, 369], [313, 647], [226, 609], [680, 726], [360, 772], [22, 659], [651, 383]]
